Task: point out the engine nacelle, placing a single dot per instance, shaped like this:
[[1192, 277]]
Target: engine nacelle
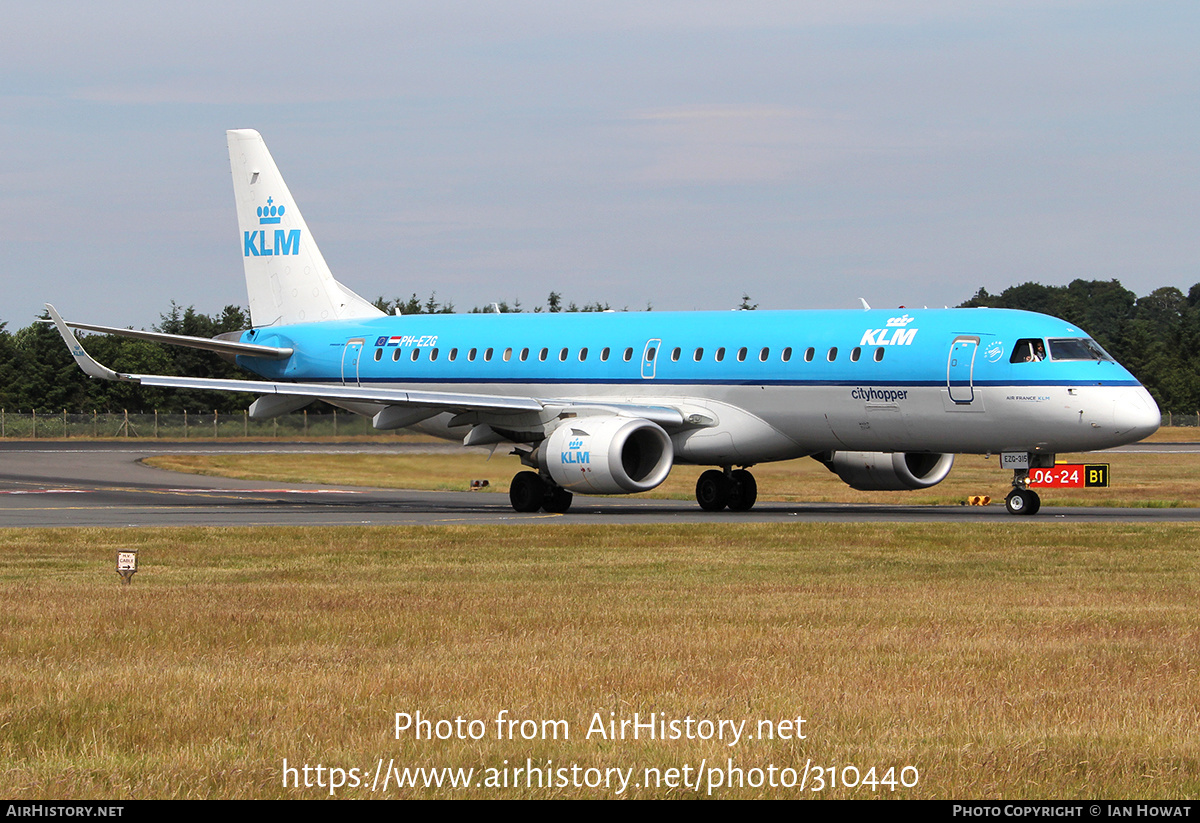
[[607, 455], [883, 471]]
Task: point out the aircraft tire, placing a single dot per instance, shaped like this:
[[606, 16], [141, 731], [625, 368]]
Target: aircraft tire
[[527, 492], [557, 499], [743, 492], [712, 491], [1022, 501]]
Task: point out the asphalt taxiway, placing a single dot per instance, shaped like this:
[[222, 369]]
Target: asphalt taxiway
[[103, 484]]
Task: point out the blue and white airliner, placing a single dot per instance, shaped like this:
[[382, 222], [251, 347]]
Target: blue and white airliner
[[609, 403]]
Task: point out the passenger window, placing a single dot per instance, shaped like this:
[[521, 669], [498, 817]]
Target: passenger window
[[378, 355], [650, 352], [471, 355], [628, 355], [675, 355], [416, 353], [764, 354], [507, 355], [854, 354], [543, 354], [396, 356], [487, 356], [562, 355], [698, 355], [832, 354], [720, 354], [453, 354], [1028, 350], [879, 355], [787, 354], [583, 354], [604, 354], [742, 354], [524, 354], [433, 354], [808, 354]]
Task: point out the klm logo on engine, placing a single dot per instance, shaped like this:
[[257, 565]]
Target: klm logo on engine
[[256, 244], [575, 453]]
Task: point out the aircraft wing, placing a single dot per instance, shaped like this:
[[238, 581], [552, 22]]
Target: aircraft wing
[[444, 401], [231, 347]]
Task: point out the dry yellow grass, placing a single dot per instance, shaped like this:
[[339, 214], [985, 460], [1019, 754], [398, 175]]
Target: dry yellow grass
[[1025, 661]]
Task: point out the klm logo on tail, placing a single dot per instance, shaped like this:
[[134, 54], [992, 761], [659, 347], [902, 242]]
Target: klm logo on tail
[[254, 243]]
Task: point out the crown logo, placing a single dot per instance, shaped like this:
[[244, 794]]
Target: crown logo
[[900, 321], [270, 213]]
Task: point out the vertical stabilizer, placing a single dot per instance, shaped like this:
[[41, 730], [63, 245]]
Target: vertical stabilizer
[[286, 277]]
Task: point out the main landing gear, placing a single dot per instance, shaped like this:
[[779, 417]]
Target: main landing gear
[[529, 492], [735, 490]]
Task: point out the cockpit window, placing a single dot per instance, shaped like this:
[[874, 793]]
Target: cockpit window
[[1077, 348], [1028, 350]]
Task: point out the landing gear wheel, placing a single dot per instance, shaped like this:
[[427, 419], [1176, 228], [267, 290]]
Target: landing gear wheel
[[1022, 501], [712, 491], [743, 491], [527, 492], [557, 499]]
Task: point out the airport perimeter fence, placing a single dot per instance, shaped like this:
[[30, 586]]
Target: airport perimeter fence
[[209, 425], [182, 426]]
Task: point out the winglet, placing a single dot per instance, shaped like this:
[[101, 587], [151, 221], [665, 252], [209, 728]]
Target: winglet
[[82, 358], [866, 305]]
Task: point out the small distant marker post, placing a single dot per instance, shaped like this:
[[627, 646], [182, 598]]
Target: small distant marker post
[[126, 565]]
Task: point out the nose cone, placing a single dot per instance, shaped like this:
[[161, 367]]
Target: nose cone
[[1136, 415]]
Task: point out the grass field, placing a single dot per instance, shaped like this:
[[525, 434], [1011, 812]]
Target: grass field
[[1032, 660]]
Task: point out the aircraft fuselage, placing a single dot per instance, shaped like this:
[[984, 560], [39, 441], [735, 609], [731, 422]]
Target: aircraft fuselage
[[777, 384]]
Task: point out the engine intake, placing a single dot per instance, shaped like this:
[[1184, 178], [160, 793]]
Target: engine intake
[[884, 471], [607, 455]]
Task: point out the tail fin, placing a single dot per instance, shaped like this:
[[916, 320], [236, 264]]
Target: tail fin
[[287, 278]]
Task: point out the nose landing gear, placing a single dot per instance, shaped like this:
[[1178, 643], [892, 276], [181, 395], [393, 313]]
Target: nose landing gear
[[1022, 499]]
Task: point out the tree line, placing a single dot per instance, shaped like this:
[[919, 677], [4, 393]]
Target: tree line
[[1157, 337]]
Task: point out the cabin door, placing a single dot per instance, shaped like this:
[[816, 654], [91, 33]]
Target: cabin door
[[351, 354], [960, 370], [650, 358]]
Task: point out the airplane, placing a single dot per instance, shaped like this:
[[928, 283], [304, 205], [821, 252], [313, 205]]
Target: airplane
[[610, 403]]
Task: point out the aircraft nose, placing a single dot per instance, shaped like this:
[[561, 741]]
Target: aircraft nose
[[1137, 415]]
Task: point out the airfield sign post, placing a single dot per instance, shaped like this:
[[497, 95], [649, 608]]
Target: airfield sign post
[[1071, 476], [126, 564]]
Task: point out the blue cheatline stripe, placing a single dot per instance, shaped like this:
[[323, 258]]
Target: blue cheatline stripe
[[565, 381]]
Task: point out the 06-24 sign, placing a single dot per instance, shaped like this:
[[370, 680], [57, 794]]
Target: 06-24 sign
[[1071, 475]]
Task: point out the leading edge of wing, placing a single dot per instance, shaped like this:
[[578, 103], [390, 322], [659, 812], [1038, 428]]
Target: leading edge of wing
[[205, 343], [450, 401]]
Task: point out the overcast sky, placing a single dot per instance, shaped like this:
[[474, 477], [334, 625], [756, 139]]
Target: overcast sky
[[672, 153]]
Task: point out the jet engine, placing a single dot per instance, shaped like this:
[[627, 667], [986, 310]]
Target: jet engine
[[607, 455], [883, 471]]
